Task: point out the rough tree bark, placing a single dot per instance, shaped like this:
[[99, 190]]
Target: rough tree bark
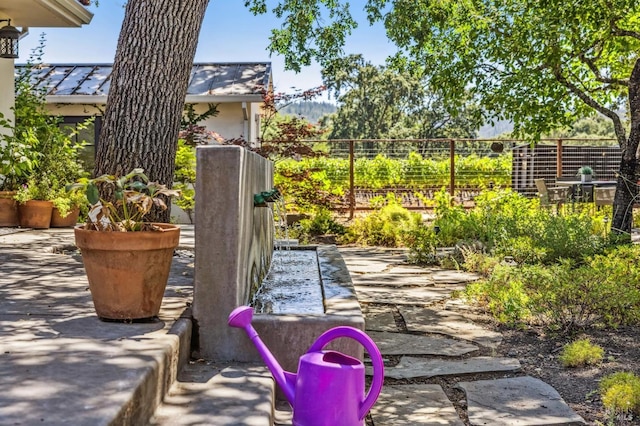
[[627, 188], [149, 82]]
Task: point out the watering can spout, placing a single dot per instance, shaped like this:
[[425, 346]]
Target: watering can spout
[[241, 317]]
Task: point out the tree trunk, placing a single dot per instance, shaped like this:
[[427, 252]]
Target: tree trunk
[[149, 82], [627, 187]]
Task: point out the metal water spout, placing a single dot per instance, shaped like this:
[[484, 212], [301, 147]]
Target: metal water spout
[[329, 388], [261, 199]]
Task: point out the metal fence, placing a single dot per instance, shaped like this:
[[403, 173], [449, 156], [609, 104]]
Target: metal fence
[[415, 169]]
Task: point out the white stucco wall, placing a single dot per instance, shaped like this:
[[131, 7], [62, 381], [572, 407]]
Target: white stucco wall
[[229, 122], [77, 110], [7, 95]]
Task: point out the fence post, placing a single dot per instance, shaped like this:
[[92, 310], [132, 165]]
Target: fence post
[[452, 167], [352, 194], [559, 158]]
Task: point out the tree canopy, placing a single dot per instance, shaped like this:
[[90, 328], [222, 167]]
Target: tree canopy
[[539, 64], [376, 102]]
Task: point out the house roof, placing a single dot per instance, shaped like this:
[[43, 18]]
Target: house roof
[[209, 82], [45, 13]]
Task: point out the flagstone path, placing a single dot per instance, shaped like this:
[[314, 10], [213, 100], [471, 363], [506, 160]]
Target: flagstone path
[[428, 340]]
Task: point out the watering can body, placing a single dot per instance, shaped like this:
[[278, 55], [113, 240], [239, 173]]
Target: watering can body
[[329, 387], [329, 390]]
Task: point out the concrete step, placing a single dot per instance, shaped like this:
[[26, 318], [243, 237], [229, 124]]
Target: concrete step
[[214, 394]]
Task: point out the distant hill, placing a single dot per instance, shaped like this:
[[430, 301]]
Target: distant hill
[[310, 110], [491, 131]]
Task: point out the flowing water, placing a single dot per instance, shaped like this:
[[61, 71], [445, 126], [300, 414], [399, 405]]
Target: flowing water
[[292, 286]]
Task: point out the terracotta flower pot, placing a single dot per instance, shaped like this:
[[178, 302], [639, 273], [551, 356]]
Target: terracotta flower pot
[[68, 221], [8, 209], [127, 271], [35, 214]]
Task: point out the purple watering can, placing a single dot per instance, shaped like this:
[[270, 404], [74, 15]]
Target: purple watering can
[[328, 389]]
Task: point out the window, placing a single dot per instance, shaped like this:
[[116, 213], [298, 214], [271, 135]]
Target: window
[[89, 136]]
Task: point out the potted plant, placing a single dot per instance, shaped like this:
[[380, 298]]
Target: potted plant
[[66, 208], [585, 173], [127, 260], [16, 163], [34, 205]]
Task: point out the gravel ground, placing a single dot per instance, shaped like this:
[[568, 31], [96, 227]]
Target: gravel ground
[[538, 353]]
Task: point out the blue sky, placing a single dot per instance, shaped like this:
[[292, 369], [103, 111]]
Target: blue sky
[[229, 33]]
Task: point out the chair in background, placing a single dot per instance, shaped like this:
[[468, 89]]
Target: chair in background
[[603, 196], [552, 195]]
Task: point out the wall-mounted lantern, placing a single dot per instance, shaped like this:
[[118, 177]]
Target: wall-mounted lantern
[[9, 37]]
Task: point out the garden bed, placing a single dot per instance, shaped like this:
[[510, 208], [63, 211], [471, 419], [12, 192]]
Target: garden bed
[[538, 353]]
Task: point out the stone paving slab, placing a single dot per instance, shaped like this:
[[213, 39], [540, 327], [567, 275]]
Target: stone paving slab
[[454, 277], [388, 279], [203, 395], [44, 240], [518, 401], [378, 319], [450, 323], [371, 259], [411, 344], [411, 269], [412, 367], [418, 405], [61, 365], [401, 295]]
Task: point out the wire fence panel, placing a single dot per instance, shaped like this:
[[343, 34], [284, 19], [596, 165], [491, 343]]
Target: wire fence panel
[[363, 171]]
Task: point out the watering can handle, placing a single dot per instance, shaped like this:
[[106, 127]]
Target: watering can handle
[[374, 353]]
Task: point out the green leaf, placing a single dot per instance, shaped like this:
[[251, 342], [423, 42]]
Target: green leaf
[[93, 195]]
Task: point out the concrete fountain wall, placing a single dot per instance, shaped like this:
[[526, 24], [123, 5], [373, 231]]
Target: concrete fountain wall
[[234, 244]]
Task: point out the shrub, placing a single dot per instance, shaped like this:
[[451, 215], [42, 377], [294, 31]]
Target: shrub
[[388, 226], [581, 353], [305, 187], [621, 392], [322, 223], [565, 295], [503, 295], [185, 177]]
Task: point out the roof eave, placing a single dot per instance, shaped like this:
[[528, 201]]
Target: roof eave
[[210, 99], [69, 11], [190, 99]]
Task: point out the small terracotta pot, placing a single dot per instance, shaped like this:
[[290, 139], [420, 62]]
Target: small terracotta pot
[[8, 209], [68, 221], [127, 271], [35, 214]]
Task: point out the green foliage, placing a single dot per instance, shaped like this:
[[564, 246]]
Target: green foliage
[[621, 392], [375, 102], [424, 243], [508, 224], [585, 170], [321, 223], [191, 132], [17, 159], [539, 64], [185, 177], [564, 295], [134, 196], [38, 157], [581, 353], [35, 189], [593, 127], [386, 226], [381, 172], [503, 295], [65, 201], [310, 110], [305, 185]]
